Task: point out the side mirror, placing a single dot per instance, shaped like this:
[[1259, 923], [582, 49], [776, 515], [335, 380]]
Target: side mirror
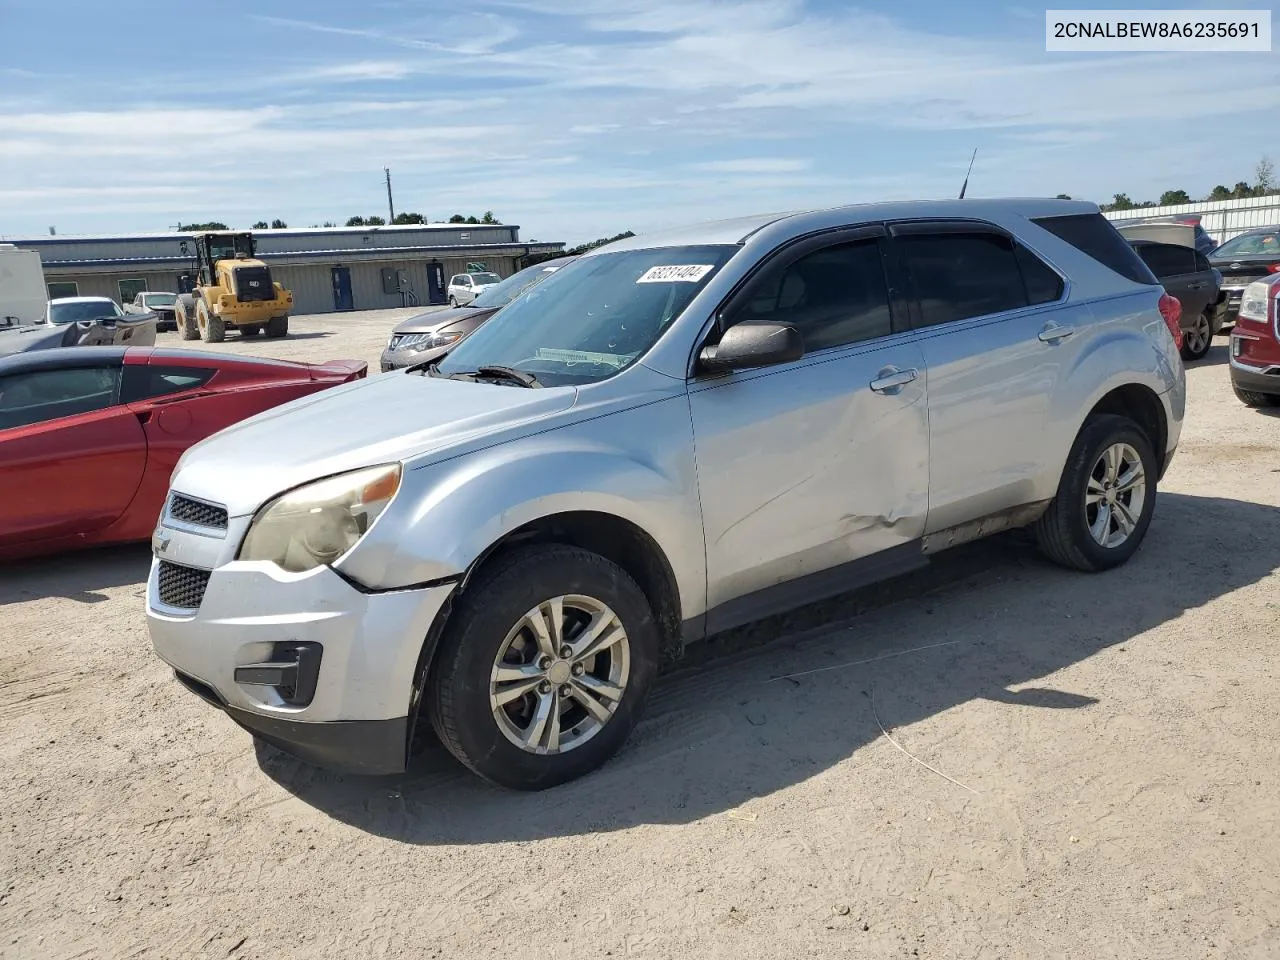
[[753, 343]]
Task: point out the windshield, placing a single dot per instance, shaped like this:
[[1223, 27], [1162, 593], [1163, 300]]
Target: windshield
[[592, 318], [1251, 245], [160, 299], [485, 278], [506, 291], [81, 310]]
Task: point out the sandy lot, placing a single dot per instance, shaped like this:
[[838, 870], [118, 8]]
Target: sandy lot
[[1105, 781]]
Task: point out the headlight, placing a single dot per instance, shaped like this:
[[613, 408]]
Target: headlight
[[1253, 302], [318, 523], [426, 341]]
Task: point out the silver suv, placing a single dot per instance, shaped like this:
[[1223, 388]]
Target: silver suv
[[674, 435]]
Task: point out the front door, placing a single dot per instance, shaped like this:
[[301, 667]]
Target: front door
[[342, 299], [435, 282], [73, 455], [813, 475]]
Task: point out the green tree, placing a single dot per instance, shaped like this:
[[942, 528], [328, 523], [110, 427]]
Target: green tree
[[1062, 196], [1121, 201], [489, 217], [366, 222], [1241, 190], [1171, 197], [355, 222], [472, 219], [202, 227], [403, 219], [278, 224], [260, 225], [457, 218], [1219, 193], [329, 223]]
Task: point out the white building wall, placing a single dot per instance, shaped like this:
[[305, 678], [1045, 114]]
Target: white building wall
[[1223, 219]]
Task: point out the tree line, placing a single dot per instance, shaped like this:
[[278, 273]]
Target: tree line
[[401, 219], [1264, 185], [582, 248]]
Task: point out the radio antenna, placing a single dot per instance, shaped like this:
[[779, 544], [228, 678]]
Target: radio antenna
[[965, 185]]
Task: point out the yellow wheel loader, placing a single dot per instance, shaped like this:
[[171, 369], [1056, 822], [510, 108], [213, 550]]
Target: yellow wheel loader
[[229, 289]]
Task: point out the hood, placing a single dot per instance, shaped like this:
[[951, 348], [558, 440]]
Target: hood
[[377, 420], [439, 319]]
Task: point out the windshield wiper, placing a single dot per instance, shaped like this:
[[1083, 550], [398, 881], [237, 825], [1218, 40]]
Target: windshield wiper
[[497, 372]]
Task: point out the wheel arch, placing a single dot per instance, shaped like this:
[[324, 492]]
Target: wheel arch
[[1142, 405]]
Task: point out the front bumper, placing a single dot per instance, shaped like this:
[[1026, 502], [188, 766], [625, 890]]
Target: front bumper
[[358, 718], [1264, 379], [399, 359]]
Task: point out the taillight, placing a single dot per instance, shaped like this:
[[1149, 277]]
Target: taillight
[[1171, 310], [1273, 268]]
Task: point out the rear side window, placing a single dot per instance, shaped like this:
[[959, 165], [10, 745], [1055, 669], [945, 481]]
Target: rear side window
[[147, 383], [42, 395], [1167, 259], [1202, 262], [1043, 284], [1093, 234], [961, 275]]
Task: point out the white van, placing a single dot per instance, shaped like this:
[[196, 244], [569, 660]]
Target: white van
[[22, 291]]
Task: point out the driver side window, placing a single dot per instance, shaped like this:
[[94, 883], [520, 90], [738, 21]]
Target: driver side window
[[834, 296], [43, 395]]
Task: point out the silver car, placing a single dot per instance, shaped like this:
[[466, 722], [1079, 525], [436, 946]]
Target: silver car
[[674, 435], [465, 287]]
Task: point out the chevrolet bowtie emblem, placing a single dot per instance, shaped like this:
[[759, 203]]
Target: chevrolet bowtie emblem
[[160, 541]]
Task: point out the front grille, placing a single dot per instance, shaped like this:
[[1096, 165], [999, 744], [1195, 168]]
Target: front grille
[[194, 511], [181, 587]]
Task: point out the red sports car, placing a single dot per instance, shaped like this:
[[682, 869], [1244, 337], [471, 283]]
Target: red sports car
[[89, 437]]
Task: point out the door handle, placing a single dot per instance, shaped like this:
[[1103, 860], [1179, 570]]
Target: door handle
[[891, 378], [1196, 286], [1053, 333]]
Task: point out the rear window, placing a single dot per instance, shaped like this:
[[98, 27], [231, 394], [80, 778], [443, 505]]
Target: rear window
[[149, 382], [1093, 234], [1167, 260]]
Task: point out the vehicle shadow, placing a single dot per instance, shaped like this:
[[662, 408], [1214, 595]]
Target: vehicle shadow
[[76, 576], [772, 705], [1218, 355]]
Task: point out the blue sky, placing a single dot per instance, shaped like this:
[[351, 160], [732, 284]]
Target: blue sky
[[582, 118]]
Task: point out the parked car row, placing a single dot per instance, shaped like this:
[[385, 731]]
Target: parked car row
[[80, 321]]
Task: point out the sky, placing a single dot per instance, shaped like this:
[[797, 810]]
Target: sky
[[578, 119]]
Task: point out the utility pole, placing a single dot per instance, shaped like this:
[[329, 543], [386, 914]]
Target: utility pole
[[390, 203]]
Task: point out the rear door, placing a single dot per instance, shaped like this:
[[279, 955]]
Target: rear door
[[997, 337], [73, 455], [1176, 269]]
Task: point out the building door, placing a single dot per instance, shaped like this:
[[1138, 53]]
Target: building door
[[342, 299], [435, 282]]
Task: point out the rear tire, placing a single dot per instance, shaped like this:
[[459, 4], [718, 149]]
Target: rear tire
[[212, 327], [575, 699], [1197, 341], [1105, 499], [277, 327], [251, 330], [1252, 399], [453, 302]]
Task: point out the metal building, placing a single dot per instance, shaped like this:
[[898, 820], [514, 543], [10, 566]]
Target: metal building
[[1222, 219], [327, 268]]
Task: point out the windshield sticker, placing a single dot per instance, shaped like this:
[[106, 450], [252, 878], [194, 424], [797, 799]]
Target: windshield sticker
[[681, 273], [582, 356]]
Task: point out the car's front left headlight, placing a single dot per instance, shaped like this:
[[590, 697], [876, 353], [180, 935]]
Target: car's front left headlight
[[316, 524], [425, 341]]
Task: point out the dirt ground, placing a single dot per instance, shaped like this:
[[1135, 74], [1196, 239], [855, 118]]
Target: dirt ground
[[992, 759]]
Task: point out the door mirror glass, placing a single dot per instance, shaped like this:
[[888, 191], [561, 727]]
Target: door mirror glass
[[753, 343]]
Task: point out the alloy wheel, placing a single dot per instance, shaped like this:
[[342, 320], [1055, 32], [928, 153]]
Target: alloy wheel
[[1199, 336], [560, 674], [1115, 495]]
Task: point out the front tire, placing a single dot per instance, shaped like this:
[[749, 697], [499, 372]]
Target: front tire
[[544, 667], [1105, 499], [1197, 341], [251, 330], [184, 317], [212, 327]]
